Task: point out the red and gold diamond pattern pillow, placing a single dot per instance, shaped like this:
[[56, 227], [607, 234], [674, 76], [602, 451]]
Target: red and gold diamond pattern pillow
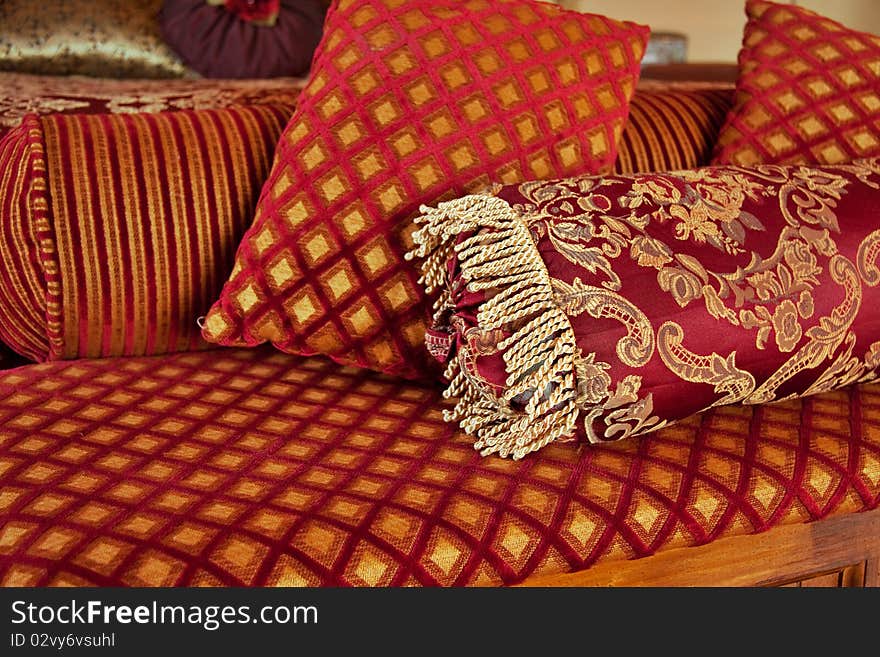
[[410, 102], [808, 91]]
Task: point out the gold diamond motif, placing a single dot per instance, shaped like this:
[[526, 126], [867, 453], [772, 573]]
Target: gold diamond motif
[[350, 131], [441, 125], [401, 62], [538, 80], [282, 273], [360, 319], [397, 293], [375, 256], [462, 156], [444, 555], [369, 164], [646, 515], [365, 82], [832, 154], [370, 569], [404, 143], [454, 76], [827, 52], [352, 222], [317, 246], [849, 77], [508, 94], [296, 212], [863, 140], [496, 141], [338, 283], [475, 109], [598, 143], [434, 46], [332, 105], [385, 113], [303, 308], [391, 197], [841, 112], [870, 101], [426, 174], [819, 88], [811, 126], [526, 128], [556, 117], [332, 187], [515, 540], [420, 93], [314, 156], [779, 143], [788, 101], [247, 298]]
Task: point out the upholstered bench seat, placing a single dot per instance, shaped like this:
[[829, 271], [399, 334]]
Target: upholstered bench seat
[[250, 467]]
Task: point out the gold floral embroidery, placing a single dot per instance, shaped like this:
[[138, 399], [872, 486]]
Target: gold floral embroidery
[[787, 325], [659, 223], [718, 371], [866, 260], [650, 252], [636, 348], [39, 94], [824, 337]]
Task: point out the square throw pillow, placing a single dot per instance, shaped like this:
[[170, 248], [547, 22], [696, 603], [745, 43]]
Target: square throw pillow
[[808, 91], [601, 308], [117, 231], [412, 101]]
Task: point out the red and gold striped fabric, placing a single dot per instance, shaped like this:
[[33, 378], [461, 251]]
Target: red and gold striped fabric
[[23, 210], [672, 127], [143, 216]]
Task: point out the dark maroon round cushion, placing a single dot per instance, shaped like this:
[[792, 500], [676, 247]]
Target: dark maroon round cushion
[[218, 44]]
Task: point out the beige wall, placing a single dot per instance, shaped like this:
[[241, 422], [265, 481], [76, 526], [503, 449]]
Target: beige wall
[[714, 27]]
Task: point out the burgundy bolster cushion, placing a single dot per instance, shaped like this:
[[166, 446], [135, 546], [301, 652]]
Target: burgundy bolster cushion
[[599, 308]]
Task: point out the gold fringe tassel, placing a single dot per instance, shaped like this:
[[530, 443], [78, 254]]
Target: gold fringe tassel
[[539, 403]]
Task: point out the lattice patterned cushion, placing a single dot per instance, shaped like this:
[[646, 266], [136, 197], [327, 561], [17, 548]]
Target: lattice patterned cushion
[[808, 91], [409, 101], [180, 470], [118, 230], [599, 308]]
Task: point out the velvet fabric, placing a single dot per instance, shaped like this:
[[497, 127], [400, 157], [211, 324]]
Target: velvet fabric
[[179, 470], [219, 43], [808, 91], [262, 12], [603, 308], [410, 101], [118, 230]]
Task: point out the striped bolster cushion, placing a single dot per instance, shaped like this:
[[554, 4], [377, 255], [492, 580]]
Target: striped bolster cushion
[[117, 231], [672, 127]]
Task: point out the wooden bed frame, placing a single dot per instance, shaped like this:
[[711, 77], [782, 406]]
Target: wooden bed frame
[[842, 551]]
